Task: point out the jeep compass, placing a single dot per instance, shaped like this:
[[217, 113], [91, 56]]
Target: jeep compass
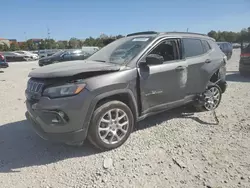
[[102, 97]]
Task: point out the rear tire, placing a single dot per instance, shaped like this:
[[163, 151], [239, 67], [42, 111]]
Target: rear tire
[[210, 99], [111, 125]]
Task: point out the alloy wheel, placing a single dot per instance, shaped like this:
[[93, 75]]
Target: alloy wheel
[[113, 126], [212, 98]]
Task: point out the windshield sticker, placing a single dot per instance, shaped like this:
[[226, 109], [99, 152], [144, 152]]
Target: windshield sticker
[[141, 39]]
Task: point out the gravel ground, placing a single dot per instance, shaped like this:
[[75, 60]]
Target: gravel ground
[[173, 149]]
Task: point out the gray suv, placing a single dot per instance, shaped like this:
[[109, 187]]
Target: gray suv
[[101, 98]]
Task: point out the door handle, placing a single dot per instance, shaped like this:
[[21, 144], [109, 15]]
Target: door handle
[[208, 61], [180, 68]]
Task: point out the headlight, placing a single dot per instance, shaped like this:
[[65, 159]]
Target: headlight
[[64, 90]]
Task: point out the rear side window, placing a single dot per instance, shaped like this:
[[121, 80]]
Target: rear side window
[[206, 46], [192, 47]]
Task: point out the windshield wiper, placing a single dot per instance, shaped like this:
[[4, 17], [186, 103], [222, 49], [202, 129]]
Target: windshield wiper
[[99, 61]]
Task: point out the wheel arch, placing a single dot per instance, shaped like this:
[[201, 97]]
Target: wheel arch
[[124, 95], [217, 78]]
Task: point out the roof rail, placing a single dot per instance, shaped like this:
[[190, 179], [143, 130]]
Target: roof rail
[[176, 32], [143, 33]]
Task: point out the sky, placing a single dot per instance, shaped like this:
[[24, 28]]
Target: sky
[[25, 19]]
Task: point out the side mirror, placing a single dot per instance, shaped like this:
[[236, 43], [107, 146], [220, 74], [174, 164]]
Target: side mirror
[[154, 59]]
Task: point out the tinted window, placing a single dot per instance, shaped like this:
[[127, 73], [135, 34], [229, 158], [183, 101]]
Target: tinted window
[[192, 47], [168, 50], [206, 46]]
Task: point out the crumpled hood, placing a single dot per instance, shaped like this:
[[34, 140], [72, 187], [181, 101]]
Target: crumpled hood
[[71, 68]]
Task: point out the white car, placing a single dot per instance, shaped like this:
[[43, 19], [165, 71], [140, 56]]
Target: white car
[[31, 55]]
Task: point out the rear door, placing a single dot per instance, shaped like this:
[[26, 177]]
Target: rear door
[[198, 56]]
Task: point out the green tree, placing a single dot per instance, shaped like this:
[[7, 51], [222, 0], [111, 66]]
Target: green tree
[[23, 46], [14, 46], [4, 47], [31, 45], [1, 47], [213, 34], [89, 42], [42, 45], [61, 45], [74, 43], [50, 44]]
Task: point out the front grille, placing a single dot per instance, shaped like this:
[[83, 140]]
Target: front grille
[[34, 86]]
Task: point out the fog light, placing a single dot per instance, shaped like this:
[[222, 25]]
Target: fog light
[[55, 120]]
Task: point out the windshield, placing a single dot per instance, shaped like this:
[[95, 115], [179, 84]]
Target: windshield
[[121, 51]]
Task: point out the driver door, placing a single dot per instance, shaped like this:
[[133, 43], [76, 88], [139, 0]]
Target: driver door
[[163, 85]]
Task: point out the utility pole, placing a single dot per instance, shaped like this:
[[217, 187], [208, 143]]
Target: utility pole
[[48, 33]]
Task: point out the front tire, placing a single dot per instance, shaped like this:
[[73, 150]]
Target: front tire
[[111, 125], [210, 99]]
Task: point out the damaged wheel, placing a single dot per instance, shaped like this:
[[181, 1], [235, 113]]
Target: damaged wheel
[[210, 99], [111, 125]]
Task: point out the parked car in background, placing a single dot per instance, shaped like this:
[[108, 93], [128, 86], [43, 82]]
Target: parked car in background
[[12, 56], [101, 98], [226, 48], [244, 66], [46, 53], [236, 45], [64, 55], [90, 49], [3, 63], [29, 54]]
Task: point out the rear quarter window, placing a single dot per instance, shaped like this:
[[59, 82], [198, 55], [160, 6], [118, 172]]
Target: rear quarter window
[[206, 46], [192, 47]]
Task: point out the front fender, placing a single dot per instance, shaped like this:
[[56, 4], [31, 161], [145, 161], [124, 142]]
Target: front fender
[[99, 97]]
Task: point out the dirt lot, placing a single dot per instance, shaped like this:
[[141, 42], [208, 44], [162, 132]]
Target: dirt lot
[[174, 149]]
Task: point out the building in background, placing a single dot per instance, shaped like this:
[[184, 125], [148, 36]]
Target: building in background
[[12, 41], [36, 41]]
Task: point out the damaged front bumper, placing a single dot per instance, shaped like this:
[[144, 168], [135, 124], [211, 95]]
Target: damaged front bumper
[[59, 120]]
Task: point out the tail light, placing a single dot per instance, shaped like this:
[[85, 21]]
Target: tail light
[[245, 55], [1, 57]]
